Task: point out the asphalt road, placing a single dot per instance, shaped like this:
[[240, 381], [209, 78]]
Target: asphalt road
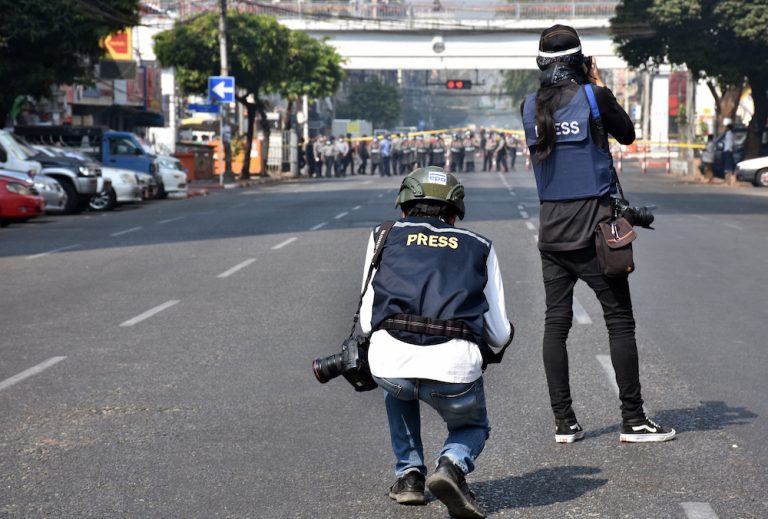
[[155, 362]]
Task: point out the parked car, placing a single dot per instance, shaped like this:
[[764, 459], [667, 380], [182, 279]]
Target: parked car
[[18, 201], [753, 170], [174, 175], [47, 187], [78, 178], [124, 189]]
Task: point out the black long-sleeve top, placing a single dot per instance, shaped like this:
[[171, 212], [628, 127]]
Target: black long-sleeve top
[[570, 224]]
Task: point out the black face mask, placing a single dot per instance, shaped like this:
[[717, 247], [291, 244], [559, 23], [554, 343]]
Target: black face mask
[[557, 72]]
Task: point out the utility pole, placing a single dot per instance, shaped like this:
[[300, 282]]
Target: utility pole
[[225, 136]]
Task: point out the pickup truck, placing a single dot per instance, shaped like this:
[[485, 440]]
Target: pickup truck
[[111, 148]]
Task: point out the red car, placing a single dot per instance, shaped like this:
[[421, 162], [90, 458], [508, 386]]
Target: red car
[[18, 201]]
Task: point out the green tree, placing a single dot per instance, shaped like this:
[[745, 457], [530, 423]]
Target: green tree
[[313, 70], [721, 40], [516, 84], [257, 48], [47, 43], [373, 101]]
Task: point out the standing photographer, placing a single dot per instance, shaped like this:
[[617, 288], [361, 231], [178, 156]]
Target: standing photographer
[[574, 178], [435, 308]]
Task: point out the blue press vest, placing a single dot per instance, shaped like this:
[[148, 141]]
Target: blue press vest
[[429, 268], [577, 168]]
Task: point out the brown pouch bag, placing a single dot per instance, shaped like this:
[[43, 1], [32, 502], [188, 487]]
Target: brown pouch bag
[[613, 242]]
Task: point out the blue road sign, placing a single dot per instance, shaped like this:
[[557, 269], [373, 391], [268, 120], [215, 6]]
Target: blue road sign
[[206, 109], [221, 89]]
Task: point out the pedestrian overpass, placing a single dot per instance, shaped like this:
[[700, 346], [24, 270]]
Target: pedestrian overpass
[[433, 36]]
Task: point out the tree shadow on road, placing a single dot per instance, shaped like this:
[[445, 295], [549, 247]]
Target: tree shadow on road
[[539, 488]]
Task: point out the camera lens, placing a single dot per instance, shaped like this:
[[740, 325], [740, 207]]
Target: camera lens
[[327, 368]]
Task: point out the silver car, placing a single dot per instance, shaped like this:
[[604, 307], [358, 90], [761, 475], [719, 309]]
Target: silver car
[[54, 196]]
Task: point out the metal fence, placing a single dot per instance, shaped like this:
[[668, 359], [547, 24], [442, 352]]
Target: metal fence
[[542, 10]]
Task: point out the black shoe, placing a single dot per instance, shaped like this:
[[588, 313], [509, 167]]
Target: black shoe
[[568, 430], [409, 489], [643, 429], [449, 486]]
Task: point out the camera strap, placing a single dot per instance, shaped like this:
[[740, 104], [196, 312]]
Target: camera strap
[[378, 244], [590, 93]]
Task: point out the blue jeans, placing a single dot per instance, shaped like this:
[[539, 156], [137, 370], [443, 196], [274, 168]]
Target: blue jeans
[[461, 406]]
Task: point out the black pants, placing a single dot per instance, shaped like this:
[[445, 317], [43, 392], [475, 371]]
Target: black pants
[[487, 161], [561, 271], [363, 163]]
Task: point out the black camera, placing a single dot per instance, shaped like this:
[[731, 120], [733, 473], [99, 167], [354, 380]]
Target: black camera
[[636, 216], [352, 363]]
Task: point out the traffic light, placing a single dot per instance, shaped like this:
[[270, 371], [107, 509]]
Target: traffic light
[[458, 84]]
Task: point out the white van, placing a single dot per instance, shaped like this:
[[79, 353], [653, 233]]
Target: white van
[[15, 158]]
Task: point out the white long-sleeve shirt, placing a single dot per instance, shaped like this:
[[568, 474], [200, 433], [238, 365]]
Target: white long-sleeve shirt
[[455, 361]]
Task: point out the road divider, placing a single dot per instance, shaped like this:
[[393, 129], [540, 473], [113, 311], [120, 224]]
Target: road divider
[[149, 313], [120, 233], [54, 251], [34, 370], [283, 244], [237, 267]]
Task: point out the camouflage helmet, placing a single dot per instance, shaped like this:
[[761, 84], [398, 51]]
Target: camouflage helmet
[[432, 183]]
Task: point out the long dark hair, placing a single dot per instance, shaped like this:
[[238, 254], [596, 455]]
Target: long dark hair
[[548, 99]]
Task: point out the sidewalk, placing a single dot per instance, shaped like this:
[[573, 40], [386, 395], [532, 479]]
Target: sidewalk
[[204, 187]]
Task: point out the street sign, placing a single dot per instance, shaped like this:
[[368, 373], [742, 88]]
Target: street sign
[[206, 109], [221, 89], [119, 46]]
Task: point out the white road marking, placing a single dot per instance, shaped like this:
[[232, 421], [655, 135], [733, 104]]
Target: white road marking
[[524, 214], [34, 370], [530, 226], [318, 226], [512, 193], [367, 182], [52, 251], [356, 207], [581, 315], [521, 207], [238, 205], [286, 242], [149, 313], [237, 267], [381, 195], [536, 238], [605, 362], [169, 220], [733, 226], [120, 233], [698, 511], [340, 215]]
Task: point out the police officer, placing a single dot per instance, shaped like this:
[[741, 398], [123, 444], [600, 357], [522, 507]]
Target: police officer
[[422, 151], [329, 156], [397, 154], [488, 151], [469, 152], [438, 152], [457, 150], [376, 155], [434, 308], [574, 177], [385, 147]]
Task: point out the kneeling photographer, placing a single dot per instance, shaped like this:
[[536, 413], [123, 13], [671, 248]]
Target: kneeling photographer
[[435, 310], [585, 224]]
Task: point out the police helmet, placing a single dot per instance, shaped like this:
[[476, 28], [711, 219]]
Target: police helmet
[[432, 183]]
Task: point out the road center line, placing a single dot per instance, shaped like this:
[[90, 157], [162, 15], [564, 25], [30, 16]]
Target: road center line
[[698, 511], [132, 229], [318, 226], [238, 205], [581, 315], [530, 226], [605, 362], [286, 242], [34, 370], [149, 313], [52, 251], [169, 220], [356, 207], [524, 214], [237, 267], [340, 216]]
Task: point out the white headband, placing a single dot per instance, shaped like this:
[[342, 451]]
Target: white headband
[[557, 54]]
